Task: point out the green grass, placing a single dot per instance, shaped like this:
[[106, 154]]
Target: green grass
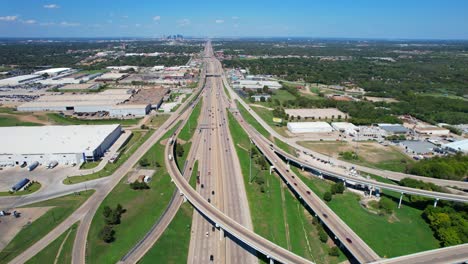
[[158, 120], [7, 121], [137, 139], [173, 245], [143, 207], [269, 212], [63, 207], [251, 120], [51, 252], [181, 160], [267, 116], [65, 120], [35, 186], [406, 231], [227, 92], [192, 123], [193, 177], [89, 165]]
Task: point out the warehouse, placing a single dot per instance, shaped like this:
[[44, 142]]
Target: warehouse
[[393, 129], [111, 101], [19, 80], [344, 127], [54, 71], [317, 113], [431, 130], [65, 144], [458, 146], [252, 84], [309, 127]]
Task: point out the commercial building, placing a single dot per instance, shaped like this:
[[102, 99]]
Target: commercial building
[[457, 146], [111, 77], [393, 129], [431, 130], [258, 98], [19, 80], [317, 113], [113, 101], [254, 85], [122, 68], [418, 147], [54, 71], [345, 127], [309, 127], [81, 86], [64, 144]]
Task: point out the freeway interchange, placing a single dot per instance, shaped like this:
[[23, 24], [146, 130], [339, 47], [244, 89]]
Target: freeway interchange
[[222, 202]]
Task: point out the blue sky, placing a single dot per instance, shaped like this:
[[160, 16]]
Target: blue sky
[[427, 19]]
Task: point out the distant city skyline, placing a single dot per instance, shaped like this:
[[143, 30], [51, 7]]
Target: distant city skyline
[[431, 19]]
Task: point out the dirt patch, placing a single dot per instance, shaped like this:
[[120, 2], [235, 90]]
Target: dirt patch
[[133, 176], [10, 226], [27, 118]]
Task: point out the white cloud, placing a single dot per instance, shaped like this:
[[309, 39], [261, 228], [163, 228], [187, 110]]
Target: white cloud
[[29, 21], [51, 6], [157, 18], [8, 18], [183, 22], [69, 24], [47, 24], [137, 25], [123, 26], [125, 17], [219, 21], [235, 17]]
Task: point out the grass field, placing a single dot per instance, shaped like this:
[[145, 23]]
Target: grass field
[[267, 116], [371, 154], [181, 160], [173, 245], [137, 139], [187, 131], [6, 121], [281, 95], [405, 230], [143, 208], [35, 186], [251, 120], [276, 214], [29, 235], [89, 165], [65, 120], [157, 120], [53, 250]]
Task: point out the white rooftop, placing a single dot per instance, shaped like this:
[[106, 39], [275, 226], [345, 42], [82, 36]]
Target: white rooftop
[[18, 79], [306, 125], [52, 70], [343, 126], [53, 139], [461, 145]]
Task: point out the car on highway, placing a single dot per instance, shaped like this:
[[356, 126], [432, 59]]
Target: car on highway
[[325, 215], [349, 240], [308, 192], [209, 200]]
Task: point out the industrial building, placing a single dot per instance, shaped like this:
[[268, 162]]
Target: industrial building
[[345, 127], [431, 130], [317, 113], [418, 147], [113, 101], [54, 71], [457, 146], [64, 144], [309, 127], [393, 129], [19, 80], [254, 85]]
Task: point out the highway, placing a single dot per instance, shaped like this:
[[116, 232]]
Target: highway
[[86, 212], [222, 180]]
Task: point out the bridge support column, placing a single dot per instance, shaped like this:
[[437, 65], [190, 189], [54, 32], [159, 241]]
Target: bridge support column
[[401, 198], [370, 190], [271, 169], [185, 199], [435, 202], [272, 261], [221, 234], [302, 168]]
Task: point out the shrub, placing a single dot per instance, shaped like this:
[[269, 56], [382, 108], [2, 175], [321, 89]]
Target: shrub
[[107, 234], [334, 251], [327, 196]]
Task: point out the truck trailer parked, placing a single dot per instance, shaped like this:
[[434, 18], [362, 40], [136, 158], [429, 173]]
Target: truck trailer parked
[[33, 166], [20, 185]]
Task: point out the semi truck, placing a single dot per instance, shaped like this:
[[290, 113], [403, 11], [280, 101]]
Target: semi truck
[[33, 166], [170, 157], [52, 164], [20, 185]]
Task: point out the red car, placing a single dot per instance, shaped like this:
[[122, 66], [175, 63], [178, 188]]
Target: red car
[[349, 240]]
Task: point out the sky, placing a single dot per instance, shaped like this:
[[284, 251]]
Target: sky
[[388, 19]]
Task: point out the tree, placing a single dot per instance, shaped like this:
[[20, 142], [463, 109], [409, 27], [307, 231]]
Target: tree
[[386, 205], [107, 211], [337, 187], [144, 162], [179, 150], [334, 251], [107, 234], [262, 99], [327, 196], [322, 235], [265, 89]]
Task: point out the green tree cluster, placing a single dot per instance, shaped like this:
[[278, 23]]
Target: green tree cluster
[[449, 226], [111, 218]]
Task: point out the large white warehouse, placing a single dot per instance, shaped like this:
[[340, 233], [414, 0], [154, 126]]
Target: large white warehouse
[[309, 127], [65, 144]]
